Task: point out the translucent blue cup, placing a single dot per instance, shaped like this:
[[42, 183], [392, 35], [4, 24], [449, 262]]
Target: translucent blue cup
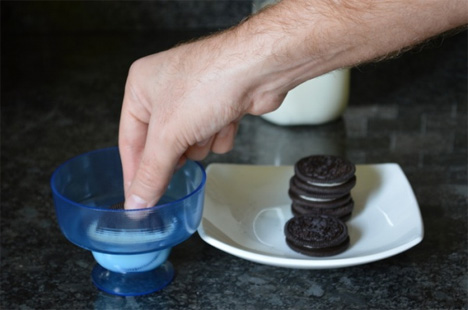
[[130, 246]]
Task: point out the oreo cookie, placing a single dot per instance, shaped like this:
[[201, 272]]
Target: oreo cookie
[[343, 212], [324, 170], [324, 192], [322, 185], [134, 227], [316, 235]]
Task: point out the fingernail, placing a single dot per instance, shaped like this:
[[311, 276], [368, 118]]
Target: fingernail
[[135, 202]]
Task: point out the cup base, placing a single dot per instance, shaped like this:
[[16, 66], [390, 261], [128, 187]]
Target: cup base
[[132, 283]]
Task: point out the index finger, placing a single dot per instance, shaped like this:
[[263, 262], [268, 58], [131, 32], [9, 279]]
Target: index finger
[[132, 140], [155, 167]]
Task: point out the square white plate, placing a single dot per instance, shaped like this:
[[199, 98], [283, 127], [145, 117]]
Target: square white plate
[[246, 208]]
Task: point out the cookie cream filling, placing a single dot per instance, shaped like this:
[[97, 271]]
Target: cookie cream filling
[[325, 184], [314, 198]]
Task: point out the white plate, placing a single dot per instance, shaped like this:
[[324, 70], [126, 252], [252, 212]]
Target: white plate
[[246, 208]]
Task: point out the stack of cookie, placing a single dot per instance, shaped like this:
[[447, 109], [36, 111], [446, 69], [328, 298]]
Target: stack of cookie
[[321, 203], [321, 186]]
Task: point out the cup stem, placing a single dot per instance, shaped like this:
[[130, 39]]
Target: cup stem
[[132, 283]]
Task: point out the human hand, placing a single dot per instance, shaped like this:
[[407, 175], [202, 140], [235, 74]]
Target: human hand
[[183, 103]]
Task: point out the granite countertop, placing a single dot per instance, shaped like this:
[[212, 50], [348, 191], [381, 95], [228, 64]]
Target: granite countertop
[[61, 96]]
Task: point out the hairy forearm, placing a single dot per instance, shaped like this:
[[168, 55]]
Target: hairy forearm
[[374, 29], [352, 31], [296, 40], [286, 44]]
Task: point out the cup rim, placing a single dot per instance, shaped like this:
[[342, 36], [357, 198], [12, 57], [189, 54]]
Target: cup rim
[[115, 148]]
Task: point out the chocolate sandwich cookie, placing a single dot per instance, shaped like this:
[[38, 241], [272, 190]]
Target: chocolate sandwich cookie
[[341, 207], [120, 229], [118, 221], [314, 202], [118, 206], [322, 191], [343, 212], [324, 170], [314, 235]]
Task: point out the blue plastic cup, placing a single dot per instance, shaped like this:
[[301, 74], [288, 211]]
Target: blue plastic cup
[[130, 246]]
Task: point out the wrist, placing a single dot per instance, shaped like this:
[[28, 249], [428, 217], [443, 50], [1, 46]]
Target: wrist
[[283, 48]]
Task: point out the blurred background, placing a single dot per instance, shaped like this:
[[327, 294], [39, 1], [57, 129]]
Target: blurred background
[[62, 17]]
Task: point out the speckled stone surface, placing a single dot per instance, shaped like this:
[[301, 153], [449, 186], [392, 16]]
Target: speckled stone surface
[[61, 95]]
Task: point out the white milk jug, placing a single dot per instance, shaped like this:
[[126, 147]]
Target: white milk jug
[[317, 101]]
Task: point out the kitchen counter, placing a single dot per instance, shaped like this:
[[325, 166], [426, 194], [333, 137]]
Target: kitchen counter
[[61, 96]]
